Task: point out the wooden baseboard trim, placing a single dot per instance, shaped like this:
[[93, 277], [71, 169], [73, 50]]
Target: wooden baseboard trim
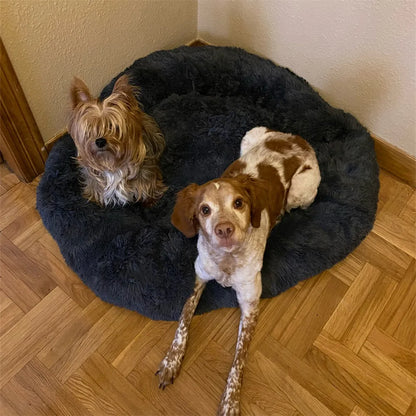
[[198, 42], [21, 143], [51, 142], [395, 161]]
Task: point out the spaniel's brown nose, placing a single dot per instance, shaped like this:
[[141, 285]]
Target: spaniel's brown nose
[[224, 230]]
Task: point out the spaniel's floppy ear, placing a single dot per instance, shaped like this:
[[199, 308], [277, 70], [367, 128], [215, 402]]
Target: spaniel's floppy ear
[[262, 196], [258, 199], [183, 216]]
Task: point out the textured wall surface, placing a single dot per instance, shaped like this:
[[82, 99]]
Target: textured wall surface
[[50, 41], [359, 54]]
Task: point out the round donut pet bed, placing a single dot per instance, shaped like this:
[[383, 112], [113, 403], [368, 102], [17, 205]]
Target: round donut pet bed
[[204, 100]]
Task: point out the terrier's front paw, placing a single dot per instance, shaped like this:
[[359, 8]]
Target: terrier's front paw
[[169, 369]]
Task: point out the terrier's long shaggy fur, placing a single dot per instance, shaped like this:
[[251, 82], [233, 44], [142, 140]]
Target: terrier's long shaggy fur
[[118, 146]]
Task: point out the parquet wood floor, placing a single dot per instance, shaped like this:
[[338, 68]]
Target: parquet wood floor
[[341, 343]]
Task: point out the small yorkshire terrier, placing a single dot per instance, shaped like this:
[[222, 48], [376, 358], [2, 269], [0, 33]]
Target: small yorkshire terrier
[[118, 146]]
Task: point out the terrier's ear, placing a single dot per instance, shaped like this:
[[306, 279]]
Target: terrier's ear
[[79, 92], [184, 212], [123, 86], [124, 92]]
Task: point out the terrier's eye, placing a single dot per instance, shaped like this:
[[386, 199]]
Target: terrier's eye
[[238, 203], [206, 210]]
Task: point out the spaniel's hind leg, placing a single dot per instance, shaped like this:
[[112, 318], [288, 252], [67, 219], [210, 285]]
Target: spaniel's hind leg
[[304, 187]]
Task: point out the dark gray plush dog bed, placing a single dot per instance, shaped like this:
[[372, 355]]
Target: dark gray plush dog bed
[[204, 100]]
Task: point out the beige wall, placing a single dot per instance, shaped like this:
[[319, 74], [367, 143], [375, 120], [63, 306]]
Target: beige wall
[[50, 41], [359, 54]]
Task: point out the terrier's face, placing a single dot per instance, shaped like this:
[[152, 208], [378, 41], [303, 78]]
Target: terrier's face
[[108, 133]]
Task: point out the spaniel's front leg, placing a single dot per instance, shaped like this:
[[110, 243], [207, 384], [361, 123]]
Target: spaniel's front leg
[[171, 364], [230, 401]]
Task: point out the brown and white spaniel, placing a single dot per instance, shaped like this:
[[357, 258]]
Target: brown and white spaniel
[[233, 215]]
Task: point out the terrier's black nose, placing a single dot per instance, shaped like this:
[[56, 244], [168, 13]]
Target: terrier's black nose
[[101, 142]]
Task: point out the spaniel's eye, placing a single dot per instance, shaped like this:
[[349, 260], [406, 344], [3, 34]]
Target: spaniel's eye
[[238, 203], [206, 210]]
